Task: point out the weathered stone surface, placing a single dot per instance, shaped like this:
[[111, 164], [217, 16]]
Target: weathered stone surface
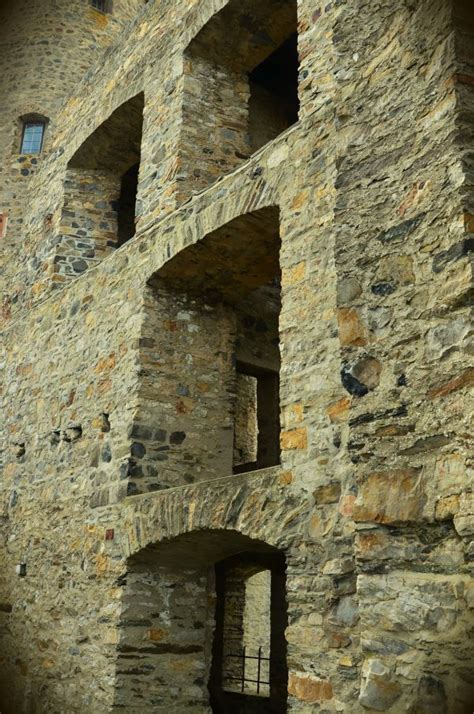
[[328, 251], [310, 689], [391, 497], [352, 331], [367, 371], [378, 691]]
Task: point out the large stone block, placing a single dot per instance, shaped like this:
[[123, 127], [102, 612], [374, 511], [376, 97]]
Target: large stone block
[[391, 497]]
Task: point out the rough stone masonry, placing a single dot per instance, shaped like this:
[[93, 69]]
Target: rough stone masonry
[[236, 339]]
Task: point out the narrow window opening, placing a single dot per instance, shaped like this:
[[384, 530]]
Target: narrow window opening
[[257, 419], [126, 205], [33, 136], [101, 5], [274, 102], [246, 422], [249, 653]]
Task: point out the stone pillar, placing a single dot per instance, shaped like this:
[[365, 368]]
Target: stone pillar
[[164, 652], [88, 230]]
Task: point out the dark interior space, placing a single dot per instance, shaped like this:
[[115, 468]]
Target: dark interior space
[[278, 74], [231, 575], [274, 102], [126, 205]]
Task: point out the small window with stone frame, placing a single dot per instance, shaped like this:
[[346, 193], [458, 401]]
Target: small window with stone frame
[[32, 137]]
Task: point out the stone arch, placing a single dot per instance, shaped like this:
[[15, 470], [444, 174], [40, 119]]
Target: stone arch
[[169, 639], [241, 74], [100, 191], [215, 307]]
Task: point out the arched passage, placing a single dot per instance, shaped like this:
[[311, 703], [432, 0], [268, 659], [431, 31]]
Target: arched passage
[[240, 87], [184, 608], [100, 191], [209, 396]]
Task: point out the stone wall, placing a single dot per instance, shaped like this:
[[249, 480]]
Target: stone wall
[[371, 503], [47, 46]]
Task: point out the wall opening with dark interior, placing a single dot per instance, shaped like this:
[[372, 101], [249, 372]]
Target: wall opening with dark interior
[[189, 605], [213, 309], [274, 102], [257, 418], [240, 87], [100, 191], [248, 671]]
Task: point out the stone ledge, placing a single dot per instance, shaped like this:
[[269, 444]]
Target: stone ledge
[[276, 473]]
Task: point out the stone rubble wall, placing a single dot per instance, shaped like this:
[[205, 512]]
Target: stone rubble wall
[[46, 48], [372, 503], [257, 626]]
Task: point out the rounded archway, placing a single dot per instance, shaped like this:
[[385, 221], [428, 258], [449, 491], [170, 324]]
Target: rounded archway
[[185, 641]]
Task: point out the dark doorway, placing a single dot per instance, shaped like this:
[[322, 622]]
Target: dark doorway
[[245, 679]]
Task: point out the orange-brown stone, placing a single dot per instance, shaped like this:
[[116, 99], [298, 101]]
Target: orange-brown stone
[[339, 411], [309, 689], [294, 439], [391, 497], [352, 331], [466, 379], [446, 508], [156, 635]]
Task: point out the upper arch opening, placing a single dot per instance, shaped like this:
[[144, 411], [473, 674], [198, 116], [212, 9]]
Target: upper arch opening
[[100, 190], [240, 87], [209, 403]]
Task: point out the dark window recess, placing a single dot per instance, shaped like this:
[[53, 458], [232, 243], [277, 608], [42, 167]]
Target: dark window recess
[[249, 679], [32, 138], [274, 103], [101, 5], [126, 205], [268, 418]]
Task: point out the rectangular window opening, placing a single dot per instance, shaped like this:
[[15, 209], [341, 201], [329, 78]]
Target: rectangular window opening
[[257, 419], [32, 139], [101, 5], [274, 103]]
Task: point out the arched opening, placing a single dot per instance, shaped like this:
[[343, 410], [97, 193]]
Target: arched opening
[[240, 87], [188, 603], [209, 400], [100, 191]]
